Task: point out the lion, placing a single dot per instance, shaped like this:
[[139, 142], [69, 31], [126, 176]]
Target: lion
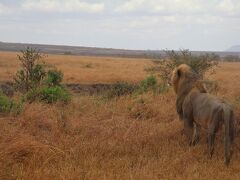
[[197, 109]]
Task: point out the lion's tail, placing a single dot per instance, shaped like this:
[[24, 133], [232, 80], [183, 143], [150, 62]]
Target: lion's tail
[[229, 132]]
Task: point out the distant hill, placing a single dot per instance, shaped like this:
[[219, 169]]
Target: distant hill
[[235, 48], [94, 51], [77, 50]]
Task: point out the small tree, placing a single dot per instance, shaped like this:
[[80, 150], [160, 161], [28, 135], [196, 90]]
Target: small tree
[[39, 82], [200, 64], [32, 72]]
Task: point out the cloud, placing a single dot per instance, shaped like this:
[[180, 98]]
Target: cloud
[[1, 9], [62, 6], [182, 7], [4, 9], [144, 24], [161, 6], [229, 7]]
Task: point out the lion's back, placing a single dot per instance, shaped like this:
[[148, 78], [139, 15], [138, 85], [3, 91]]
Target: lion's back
[[207, 107]]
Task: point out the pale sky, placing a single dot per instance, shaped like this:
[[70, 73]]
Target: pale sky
[[129, 24]]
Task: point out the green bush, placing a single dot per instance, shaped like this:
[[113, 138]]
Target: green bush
[[38, 74], [54, 78], [32, 95], [48, 95], [150, 83], [7, 105], [17, 108], [54, 94]]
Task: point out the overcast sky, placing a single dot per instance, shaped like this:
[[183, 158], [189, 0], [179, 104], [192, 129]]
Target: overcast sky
[[129, 24]]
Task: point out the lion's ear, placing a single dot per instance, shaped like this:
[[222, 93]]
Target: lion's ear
[[178, 73]]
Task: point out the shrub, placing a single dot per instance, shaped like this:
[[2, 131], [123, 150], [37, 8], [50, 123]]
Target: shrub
[[199, 63], [48, 95], [54, 78], [17, 108], [7, 105], [32, 95], [149, 83], [54, 94]]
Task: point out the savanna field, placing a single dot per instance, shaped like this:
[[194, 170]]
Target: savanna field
[[130, 137]]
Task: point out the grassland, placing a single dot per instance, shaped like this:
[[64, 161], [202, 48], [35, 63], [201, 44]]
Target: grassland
[[132, 137], [83, 69]]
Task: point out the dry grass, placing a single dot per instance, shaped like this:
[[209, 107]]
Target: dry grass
[[83, 69], [94, 138]]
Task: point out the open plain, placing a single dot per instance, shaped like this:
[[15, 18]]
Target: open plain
[[131, 137]]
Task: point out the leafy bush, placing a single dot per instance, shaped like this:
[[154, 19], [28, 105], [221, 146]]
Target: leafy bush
[[54, 78], [32, 95], [38, 74], [7, 105], [149, 83], [48, 95], [199, 63], [54, 94]]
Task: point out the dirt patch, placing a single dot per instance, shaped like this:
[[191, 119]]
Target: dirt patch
[[89, 89], [83, 89], [7, 88]]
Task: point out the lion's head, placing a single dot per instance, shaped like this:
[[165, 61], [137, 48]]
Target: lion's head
[[184, 79]]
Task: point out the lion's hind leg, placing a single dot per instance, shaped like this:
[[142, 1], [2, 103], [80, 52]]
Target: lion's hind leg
[[211, 138], [212, 130], [195, 135]]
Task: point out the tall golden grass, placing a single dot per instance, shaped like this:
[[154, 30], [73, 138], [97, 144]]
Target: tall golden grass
[[132, 137], [83, 69]]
